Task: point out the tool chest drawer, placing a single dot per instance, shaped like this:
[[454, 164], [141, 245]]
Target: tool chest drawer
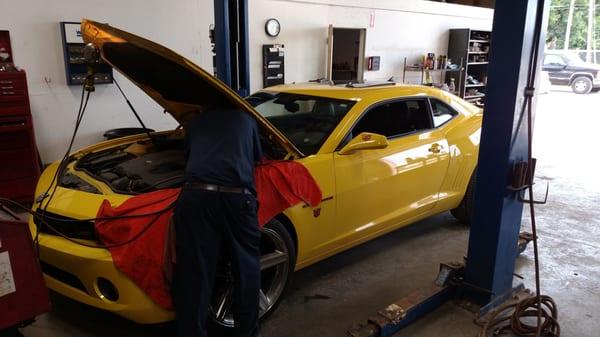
[[20, 167], [13, 105], [12, 92], [14, 98], [13, 80]]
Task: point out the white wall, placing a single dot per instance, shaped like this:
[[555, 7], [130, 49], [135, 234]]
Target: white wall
[[403, 28], [35, 33]]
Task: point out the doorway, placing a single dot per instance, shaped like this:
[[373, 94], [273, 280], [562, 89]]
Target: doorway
[[346, 54]]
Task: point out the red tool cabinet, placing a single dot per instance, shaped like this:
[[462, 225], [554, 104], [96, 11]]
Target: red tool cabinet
[[23, 293], [19, 163]]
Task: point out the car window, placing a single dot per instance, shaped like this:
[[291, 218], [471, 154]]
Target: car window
[[395, 119], [305, 120], [554, 60], [441, 112]]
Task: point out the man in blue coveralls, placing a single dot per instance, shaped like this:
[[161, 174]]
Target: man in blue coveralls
[[215, 213]]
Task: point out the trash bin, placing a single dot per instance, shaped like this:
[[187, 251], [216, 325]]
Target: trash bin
[[122, 132]]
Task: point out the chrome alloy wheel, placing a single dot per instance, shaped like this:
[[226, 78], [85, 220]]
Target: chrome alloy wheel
[[580, 86], [275, 270]]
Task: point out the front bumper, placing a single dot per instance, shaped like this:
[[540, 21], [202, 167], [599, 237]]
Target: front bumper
[[74, 271]]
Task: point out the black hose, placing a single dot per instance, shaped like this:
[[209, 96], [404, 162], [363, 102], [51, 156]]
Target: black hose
[[42, 219]]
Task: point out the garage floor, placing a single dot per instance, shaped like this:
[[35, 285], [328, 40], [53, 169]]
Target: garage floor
[[330, 297]]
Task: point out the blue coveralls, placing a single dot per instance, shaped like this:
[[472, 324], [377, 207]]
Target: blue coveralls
[[224, 147]]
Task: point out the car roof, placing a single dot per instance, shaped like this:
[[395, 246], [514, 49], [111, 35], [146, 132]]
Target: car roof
[[359, 93], [374, 94]]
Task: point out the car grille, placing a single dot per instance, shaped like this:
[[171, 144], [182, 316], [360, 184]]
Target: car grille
[[62, 276], [83, 230]]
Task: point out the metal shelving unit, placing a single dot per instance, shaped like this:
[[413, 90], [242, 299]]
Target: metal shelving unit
[[474, 47], [442, 73]]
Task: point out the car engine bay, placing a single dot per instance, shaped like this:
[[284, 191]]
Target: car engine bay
[[135, 168], [143, 166]]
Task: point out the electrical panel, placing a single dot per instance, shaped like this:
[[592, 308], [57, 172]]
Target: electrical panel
[[373, 63], [75, 65], [273, 65]]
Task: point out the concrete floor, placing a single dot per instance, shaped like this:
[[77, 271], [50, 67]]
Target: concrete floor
[[328, 298]]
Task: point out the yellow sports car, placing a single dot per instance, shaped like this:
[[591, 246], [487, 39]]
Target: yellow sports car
[[384, 155]]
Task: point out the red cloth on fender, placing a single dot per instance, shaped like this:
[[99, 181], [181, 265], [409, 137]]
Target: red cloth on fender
[[141, 260], [279, 186], [283, 184]]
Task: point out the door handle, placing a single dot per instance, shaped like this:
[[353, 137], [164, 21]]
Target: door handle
[[435, 148]]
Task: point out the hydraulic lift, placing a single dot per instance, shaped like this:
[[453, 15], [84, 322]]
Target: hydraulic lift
[[485, 278], [230, 39]]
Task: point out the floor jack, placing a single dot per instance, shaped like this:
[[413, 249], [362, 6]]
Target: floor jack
[[419, 302]]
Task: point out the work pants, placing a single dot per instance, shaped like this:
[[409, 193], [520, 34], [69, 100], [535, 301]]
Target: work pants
[[208, 224]]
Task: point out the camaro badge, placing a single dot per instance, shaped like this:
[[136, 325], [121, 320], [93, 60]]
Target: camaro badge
[[317, 212]]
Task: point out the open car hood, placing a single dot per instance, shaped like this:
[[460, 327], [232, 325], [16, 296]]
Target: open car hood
[[181, 87]]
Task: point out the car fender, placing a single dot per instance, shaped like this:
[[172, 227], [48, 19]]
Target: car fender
[[579, 74], [463, 139]]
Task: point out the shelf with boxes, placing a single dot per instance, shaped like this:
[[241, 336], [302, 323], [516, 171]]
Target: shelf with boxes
[[431, 68], [474, 46]]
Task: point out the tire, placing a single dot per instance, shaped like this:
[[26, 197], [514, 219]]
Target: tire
[[582, 85], [464, 211], [278, 259]]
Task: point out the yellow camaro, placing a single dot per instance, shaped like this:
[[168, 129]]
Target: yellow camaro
[[384, 156]]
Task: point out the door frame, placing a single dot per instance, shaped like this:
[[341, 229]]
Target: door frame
[[360, 70]]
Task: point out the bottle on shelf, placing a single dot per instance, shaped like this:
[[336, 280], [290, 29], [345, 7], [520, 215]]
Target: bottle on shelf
[[452, 86]]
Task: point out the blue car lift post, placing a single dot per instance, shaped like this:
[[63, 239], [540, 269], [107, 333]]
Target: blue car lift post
[[486, 278], [231, 44]]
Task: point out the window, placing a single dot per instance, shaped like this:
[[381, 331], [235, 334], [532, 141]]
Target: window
[[395, 119], [306, 121], [441, 112], [554, 60]]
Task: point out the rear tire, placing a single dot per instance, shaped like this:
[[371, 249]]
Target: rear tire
[[464, 211], [582, 85]]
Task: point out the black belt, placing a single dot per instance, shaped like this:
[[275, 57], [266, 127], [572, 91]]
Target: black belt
[[217, 188]]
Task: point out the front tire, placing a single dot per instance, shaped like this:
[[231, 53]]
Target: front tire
[[278, 260], [464, 211], [582, 85]]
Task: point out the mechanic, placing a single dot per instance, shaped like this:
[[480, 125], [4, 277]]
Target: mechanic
[[217, 213]]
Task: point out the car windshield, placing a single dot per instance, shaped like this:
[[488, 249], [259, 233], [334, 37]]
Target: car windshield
[[306, 121]]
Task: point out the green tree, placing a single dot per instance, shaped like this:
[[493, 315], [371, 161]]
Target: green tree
[[557, 23]]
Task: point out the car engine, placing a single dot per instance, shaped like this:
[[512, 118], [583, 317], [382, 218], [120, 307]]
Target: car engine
[[136, 168]]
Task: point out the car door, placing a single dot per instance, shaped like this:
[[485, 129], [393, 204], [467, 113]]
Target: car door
[[556, 66], [376, 189]]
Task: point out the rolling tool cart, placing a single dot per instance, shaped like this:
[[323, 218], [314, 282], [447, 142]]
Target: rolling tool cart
[[23, 293]]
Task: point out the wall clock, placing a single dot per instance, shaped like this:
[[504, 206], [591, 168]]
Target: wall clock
[[272, 27]]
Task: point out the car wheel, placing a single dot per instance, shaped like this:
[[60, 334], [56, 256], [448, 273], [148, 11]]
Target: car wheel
[[581, 85], [464, 211], [278, 260]]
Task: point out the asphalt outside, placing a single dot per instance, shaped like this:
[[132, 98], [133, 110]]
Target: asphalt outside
[[330, 297]]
